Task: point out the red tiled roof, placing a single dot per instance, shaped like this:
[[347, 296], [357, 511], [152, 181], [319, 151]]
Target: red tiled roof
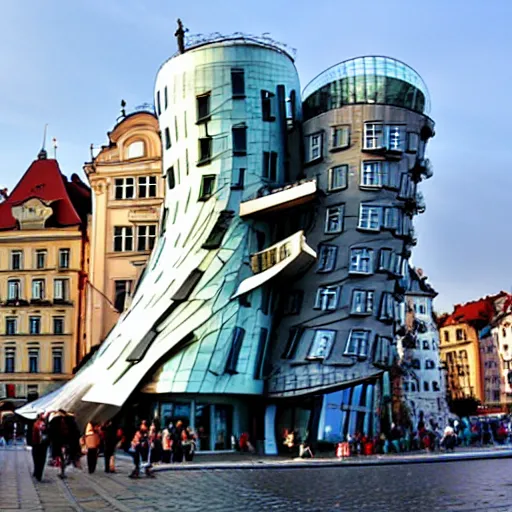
[[45, 181], [475, 312]]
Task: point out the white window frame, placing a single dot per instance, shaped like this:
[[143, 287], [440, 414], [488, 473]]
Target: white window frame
[[357, 343], [373, 135], [367, 214], [327, 298], [371, 174], [338, 174], [339, 211], [13, 284], [362, 302], [38, 289], [150, 231], [40, 253], [146, 187], [359, 255], [61, 289], [126, 233], [10, 355], [323, 342], [64, 257], [124, 185], [328, 253], [19, 254], [314, 147], [344, 130]]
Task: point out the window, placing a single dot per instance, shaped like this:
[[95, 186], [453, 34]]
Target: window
[[234, 351], [362, 302], [207, 187], [124, 188], [387, 307], [136, 150], [426, 346], [239, 140], [57, 360], [33, 360], [370, 217], [391, 137], [340, 137], [270, 165], [327, 298], [38, 289], [10, 359], [238, 180], [504, 332], [266, 106], [121, 293], [13, 289], [373, 136], [294, 337], [58, 325], [185, 128], [383, 351], [147, 186], [426, 386], [171, 181], [176, 132], [415, 363], [61, 289], [357, 343], [338, 177], [259, 369], [64, 257], [146, 236], [16, 260], [166, 98], [313, 147], [237, 83], [203, 108], [460, 335], [421, 309], [327, 258], [392, 219], [205, 150], [158, 104], [429, 364], [322, 344], [34, 323], [371, 174], [40, 259], [413, 140], [334, 219], [446, 336], [167, 136], [293, 302], [361, 261], [395, 137], [406, 187], [11, 325], [385, 260], [435, 386], [123, 238]]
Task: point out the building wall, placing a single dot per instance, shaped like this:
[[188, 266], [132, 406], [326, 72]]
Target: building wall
[[490, 361], [27, 241], [502, 334]]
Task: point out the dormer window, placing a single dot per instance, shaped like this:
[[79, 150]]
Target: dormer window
[[135, 150]]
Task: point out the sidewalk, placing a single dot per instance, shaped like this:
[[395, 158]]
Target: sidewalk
[[237, 460]]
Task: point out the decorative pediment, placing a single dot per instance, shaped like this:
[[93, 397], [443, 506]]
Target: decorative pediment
[[32, 214], [144, 214]]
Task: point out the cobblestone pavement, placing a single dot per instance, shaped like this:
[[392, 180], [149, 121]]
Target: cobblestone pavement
[[483, 485]]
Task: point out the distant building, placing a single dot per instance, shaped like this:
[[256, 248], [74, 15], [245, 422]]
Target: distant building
[[490, 364], [501, 330], [126, 180], [43, 262]]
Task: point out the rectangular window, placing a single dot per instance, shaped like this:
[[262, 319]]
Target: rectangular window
[[122, 292], [259, 369], [334, 219], [166, 98], [460, 335], [406, 187], [390, 174], [207, 187], [293, 302], [239, 140], [338, 177], [147, 186], [10, 359], [322, 344], [33, 360], [327, 298], [13, 289], [357, 343], [413, 142], [385, 260], [266, 106], [395, 137], [61, 289], [167, 136], [292, 343], [313, 147], [64, 257], [56, 360], [38, 289], [58, 325], [34, 323], [361, 261], [370, 217], [11, 325], [238, 179], [146, 236], [237, 83], [362, 302], [270, 165], [16, 260], [371, 174], [392, 219], [373, 136], [387, 307], [234, 351], [124, 188], [40, 259], [123, 238], [185, 128], [383, 352], [158, 104], [205, 150], [327, 258], [176, 128], [397, 264], [203, 108], [340, 137]]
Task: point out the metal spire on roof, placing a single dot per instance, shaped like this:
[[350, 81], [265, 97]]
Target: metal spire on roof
[[43, 155]]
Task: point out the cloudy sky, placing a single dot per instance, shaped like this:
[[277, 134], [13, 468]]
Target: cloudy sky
[[69, 63]]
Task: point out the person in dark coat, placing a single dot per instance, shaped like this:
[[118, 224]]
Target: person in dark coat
[[177, 446], [110, 440], [39, 446]]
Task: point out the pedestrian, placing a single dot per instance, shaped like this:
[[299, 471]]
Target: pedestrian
[[92, 443], [166, 444], [177, 447], [110, 440], [39, 446]]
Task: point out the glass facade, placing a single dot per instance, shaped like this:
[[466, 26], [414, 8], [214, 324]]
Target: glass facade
[[373, 80]]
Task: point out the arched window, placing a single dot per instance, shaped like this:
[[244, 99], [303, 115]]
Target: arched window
[[135, 150]]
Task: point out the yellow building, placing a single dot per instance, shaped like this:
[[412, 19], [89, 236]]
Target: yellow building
[[128, 190], [43, 263]]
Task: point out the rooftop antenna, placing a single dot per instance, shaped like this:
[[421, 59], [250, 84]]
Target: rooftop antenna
[[55, 146], [42, 154]]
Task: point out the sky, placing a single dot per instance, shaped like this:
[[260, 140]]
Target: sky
[[69, 64]]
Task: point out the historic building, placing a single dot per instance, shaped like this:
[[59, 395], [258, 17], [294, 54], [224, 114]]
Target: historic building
[[128, 189], [491, 367], [43, 265]]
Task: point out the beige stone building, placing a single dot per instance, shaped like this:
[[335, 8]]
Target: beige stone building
[[128, 191]]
